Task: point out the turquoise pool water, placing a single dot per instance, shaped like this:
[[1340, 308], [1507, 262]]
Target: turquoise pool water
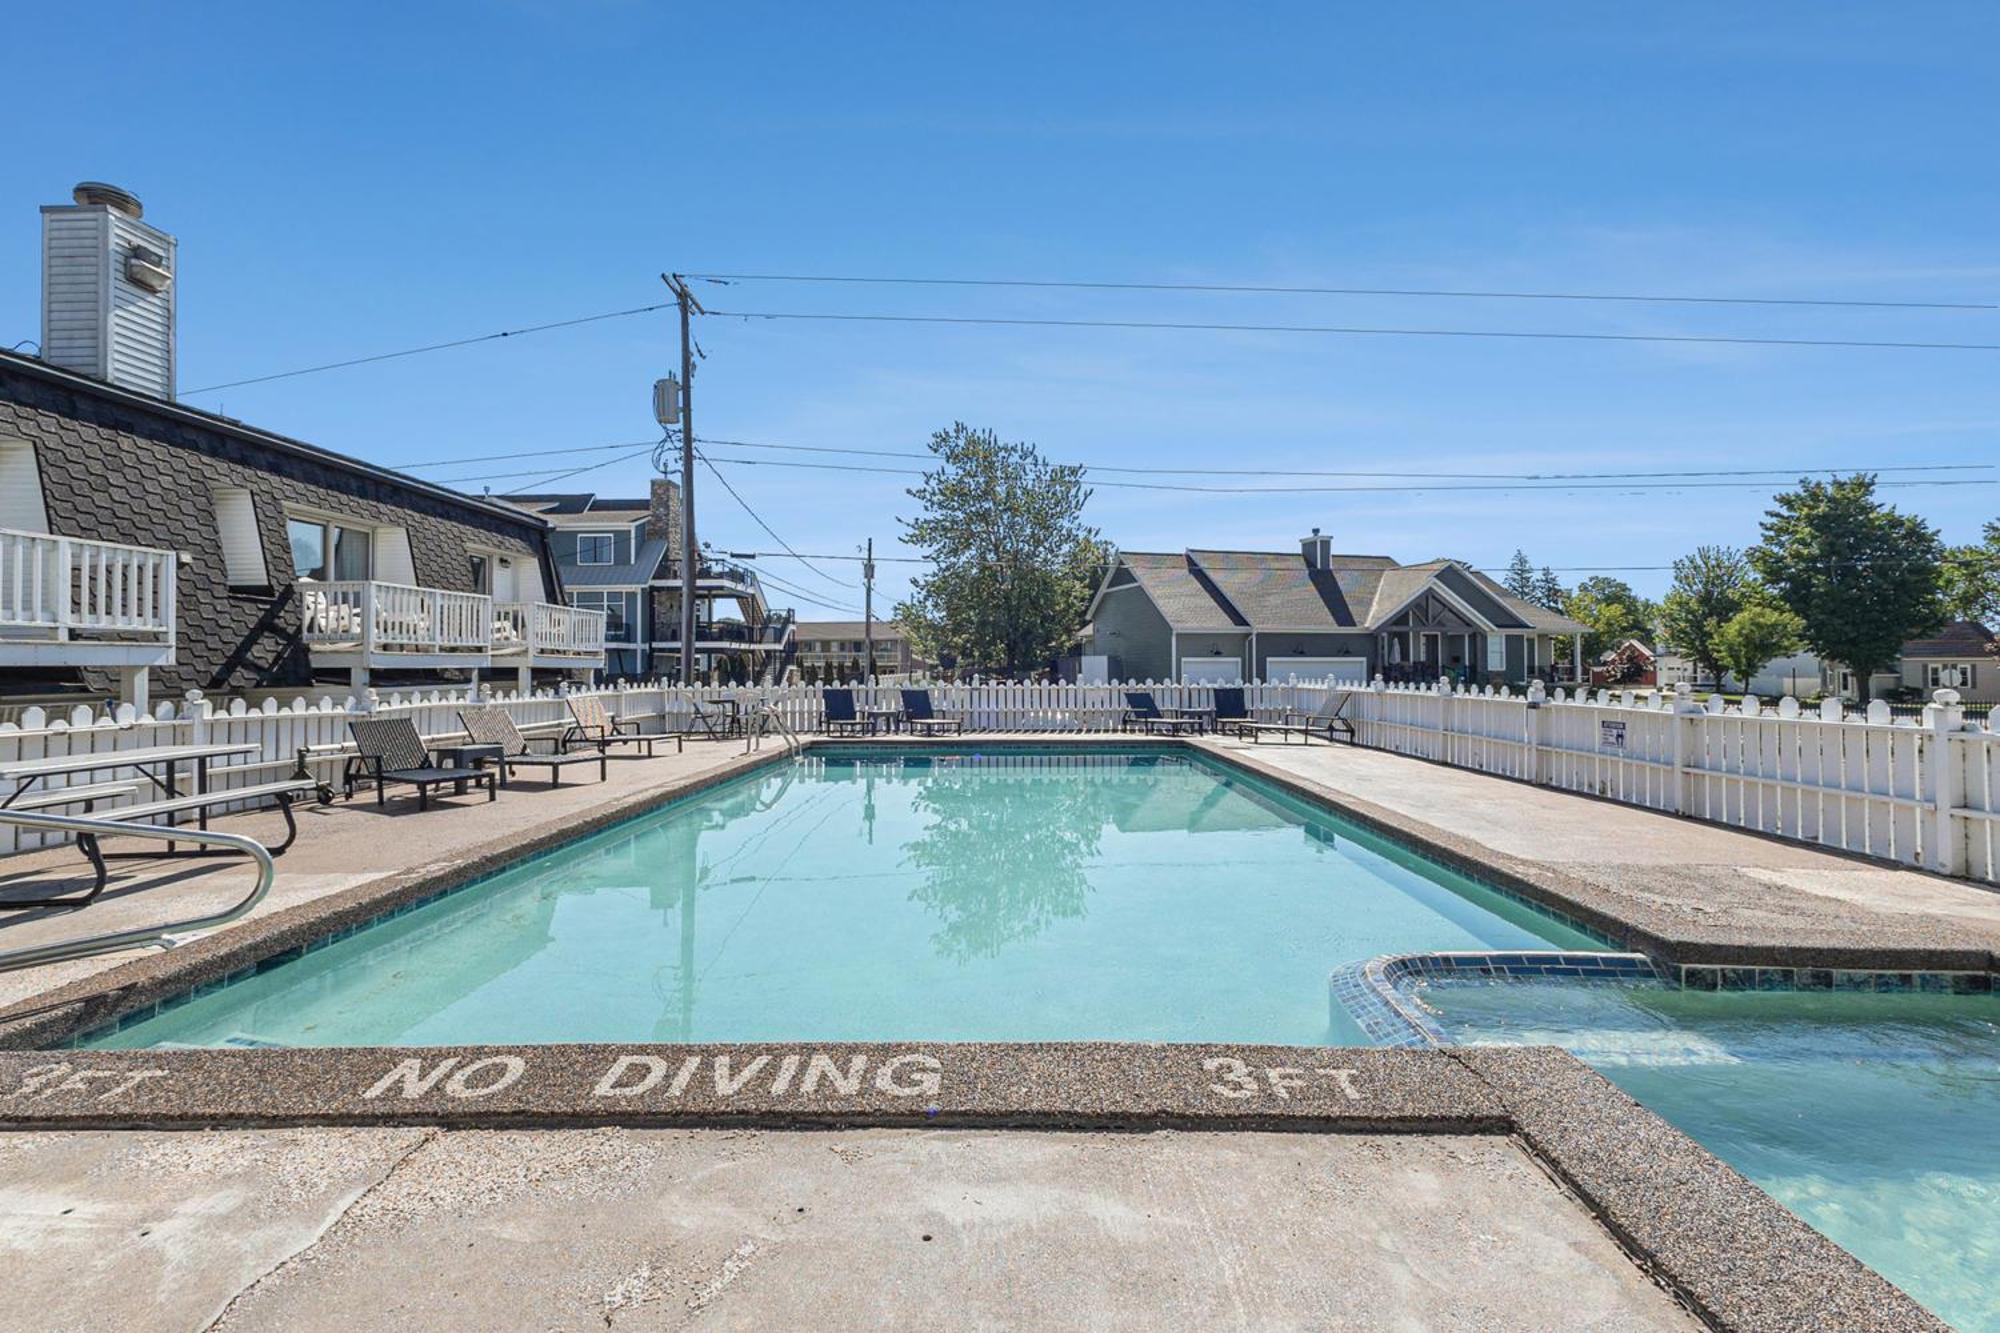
[[1876, 1118], [1114, 895]]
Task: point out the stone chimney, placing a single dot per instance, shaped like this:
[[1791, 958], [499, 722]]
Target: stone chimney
[[1317, 550], [108, 291], [663, 515]]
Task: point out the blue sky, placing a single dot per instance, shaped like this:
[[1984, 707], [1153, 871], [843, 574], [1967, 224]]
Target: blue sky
[[354, 180]]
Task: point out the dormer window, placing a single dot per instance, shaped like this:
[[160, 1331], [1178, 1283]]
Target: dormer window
[[596, 548]]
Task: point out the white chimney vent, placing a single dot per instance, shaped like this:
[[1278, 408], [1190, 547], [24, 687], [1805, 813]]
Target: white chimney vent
[[108, 291], [1317, 550]]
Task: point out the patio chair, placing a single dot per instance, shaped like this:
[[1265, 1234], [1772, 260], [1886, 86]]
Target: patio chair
[[841, 717], [591, 725], [1230, 708], [1329, 717], [922, 719], [492, 725], [718, 724], [389, 750], [1143, 714]]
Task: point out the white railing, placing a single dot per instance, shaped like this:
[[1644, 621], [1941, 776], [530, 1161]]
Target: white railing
[[64, 588], [1923, 792], [544, 629], [395, 618]]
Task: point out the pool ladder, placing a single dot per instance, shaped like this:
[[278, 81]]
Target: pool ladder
[[765, 720], [88, 833]]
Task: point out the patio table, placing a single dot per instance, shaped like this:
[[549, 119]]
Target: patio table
[[883, 718], [167, 758]]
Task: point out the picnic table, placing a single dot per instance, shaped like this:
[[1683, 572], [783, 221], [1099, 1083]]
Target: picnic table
[[167, 759]]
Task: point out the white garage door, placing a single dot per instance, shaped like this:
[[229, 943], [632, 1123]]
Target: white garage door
[[1347, 670], [1211, 670]]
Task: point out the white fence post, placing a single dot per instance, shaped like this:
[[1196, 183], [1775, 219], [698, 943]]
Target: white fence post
[[1946, 771]]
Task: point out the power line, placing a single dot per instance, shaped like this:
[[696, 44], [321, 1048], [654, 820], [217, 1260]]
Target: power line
[[1633, 486], [1269, 290], [528, 453], [793, 590], [577, 471], [1162, 470], [433, 347], [1356, 330], [759, 521]]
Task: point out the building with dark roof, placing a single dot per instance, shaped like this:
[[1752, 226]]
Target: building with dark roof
[[622, 557], [145, 544], [1961, 656], [1262, 615]]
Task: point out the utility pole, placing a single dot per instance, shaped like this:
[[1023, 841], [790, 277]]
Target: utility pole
[[690, 550], [868, 608]]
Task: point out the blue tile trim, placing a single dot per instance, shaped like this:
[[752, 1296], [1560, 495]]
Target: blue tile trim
[[1703, 977], [1373, 993]]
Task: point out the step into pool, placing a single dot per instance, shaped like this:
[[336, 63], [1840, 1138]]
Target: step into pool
[[1115, 893], [1876, 1118]]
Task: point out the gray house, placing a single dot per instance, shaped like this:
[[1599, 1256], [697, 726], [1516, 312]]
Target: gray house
[[145, 544], [622, 557], [1259, 615]]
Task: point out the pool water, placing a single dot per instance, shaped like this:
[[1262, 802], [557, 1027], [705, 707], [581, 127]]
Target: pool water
[[1116, 894], [1876, 1118]]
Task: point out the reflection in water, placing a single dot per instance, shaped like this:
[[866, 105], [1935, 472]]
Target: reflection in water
[[1001, 860]]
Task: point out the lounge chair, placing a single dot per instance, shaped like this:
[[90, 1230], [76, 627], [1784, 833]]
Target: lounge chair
[[1143, 714], [490, 725], [841, 717], [718, 724], [591, 725], [1230, 707], [389, 750], [922, 719], [1330, 718]]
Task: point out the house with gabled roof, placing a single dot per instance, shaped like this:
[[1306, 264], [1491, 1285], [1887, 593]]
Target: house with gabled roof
[[1315, 614]]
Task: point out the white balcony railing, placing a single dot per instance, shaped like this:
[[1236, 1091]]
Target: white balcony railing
[[396, 618], [65, 589], [544, 629]]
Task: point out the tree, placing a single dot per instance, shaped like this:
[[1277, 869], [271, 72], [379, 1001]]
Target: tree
[[1969, 582], [1753, 636], [1013, 565], [1861, 576], [1520, 580], [1549, 591], [1710, 587], [1611, 610]]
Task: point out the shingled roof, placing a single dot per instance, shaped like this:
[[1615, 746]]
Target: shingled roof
[[1961, 638], [1183, 595]]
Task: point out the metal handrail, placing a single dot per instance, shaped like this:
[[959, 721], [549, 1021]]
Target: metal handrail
[[114, 941], [766, 717]]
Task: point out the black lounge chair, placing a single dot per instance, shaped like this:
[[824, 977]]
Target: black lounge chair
[[1143, 714], [389, 750], [841, 717], [1230, 708], [590, 725], [490, 725], [922, 719], [1329, 718]]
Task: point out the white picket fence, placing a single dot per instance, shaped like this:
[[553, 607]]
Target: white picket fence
[[1923, 792]]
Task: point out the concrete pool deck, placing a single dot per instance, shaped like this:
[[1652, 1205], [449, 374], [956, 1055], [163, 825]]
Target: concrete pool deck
[[660, 1229], [1679, 889]]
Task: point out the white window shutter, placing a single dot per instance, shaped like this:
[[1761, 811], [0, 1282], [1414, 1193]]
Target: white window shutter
[[242, 546], [392, 556], [21, 506]]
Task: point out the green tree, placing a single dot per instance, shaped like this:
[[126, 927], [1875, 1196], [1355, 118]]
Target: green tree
[[1753, 637], [1520, 580], [1013, 564], [1613, 612], [1969, 582], [1710, 587], [1861, 577], [1549, 591]]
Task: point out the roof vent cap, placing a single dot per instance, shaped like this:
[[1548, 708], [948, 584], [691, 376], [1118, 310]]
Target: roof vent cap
[[97, 192]]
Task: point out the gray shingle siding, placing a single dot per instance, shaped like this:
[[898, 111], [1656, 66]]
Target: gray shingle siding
[[114, 471]]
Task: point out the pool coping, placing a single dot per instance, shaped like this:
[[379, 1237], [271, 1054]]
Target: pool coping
[[1710, 1237]]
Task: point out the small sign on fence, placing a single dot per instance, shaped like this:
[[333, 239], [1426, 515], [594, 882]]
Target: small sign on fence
[[1610, 735]]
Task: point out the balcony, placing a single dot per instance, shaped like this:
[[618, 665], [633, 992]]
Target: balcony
[[71, 602], [733, 635], [557, 637]]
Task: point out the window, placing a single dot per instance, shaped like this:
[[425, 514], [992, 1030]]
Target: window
[[616, 606], [482, 574], [596, 548], [323, 550], [21, 505], [242, 547], [1953, 676]]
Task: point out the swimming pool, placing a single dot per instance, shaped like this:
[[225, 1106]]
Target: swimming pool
[[1876, 1118], [1114, 893]]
